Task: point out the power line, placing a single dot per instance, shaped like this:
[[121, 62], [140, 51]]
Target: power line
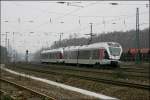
[[106, 22], [80, 22], [68, 13], [50, 19]]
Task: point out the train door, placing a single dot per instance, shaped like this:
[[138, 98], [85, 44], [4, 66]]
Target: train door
[[60, 55], [101, 54], [90, 57]]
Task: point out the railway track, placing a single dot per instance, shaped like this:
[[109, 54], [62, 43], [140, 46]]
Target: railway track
[[102, 80], [141, 68], [95, 71], [136, 70], [38, 94], [126, 69], [5, 95], [138, 66]]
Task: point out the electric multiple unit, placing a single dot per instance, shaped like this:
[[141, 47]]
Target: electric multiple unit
[[94, 54]]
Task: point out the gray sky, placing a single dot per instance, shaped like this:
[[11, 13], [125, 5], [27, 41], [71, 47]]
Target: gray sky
[[48, 18]]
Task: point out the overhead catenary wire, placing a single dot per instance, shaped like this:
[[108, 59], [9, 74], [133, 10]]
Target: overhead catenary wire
[[106, 21], [80, 21], [19, 20], [69, 13], [124, 17], [85, 6], [42, 12]]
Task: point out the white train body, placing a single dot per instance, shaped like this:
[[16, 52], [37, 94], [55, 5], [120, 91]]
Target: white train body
[[97, 53]]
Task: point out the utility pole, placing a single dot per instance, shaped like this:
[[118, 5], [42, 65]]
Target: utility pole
[[13, 48], [91, 33], [8, 51], [26, 56], [60, 36], [137, 36], [6, 48], [6, 44], [6, 40]]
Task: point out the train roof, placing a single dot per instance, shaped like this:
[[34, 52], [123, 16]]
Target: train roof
[[83, 47], [91, 46], [52, 50]]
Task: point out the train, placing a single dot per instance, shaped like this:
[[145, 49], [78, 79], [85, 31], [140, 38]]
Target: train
[[102, 53], [130, 54]]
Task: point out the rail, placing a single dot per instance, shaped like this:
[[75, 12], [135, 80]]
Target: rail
[[108, 81], [30, 90], [3, 93], [97, 72]]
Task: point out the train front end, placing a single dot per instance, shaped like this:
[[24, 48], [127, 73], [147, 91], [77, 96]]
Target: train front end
[[114, 51]]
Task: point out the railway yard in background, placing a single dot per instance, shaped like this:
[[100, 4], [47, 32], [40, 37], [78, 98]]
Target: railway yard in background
[[129, 82]]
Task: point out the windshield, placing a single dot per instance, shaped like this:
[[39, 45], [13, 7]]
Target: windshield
[[114, 51]]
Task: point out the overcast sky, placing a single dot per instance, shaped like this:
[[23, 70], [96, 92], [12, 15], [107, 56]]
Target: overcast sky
[[36, 24]]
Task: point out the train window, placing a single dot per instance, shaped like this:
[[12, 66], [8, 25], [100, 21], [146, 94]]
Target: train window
[[44, 56], [55, 55], [73, 55], [114, 51], [95, 54], [66, 55], [84, 54], [106, 56], [49, 56], [70, 54], [52, 55]]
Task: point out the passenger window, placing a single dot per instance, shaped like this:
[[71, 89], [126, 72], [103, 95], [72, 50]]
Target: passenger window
[[106, 56]]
